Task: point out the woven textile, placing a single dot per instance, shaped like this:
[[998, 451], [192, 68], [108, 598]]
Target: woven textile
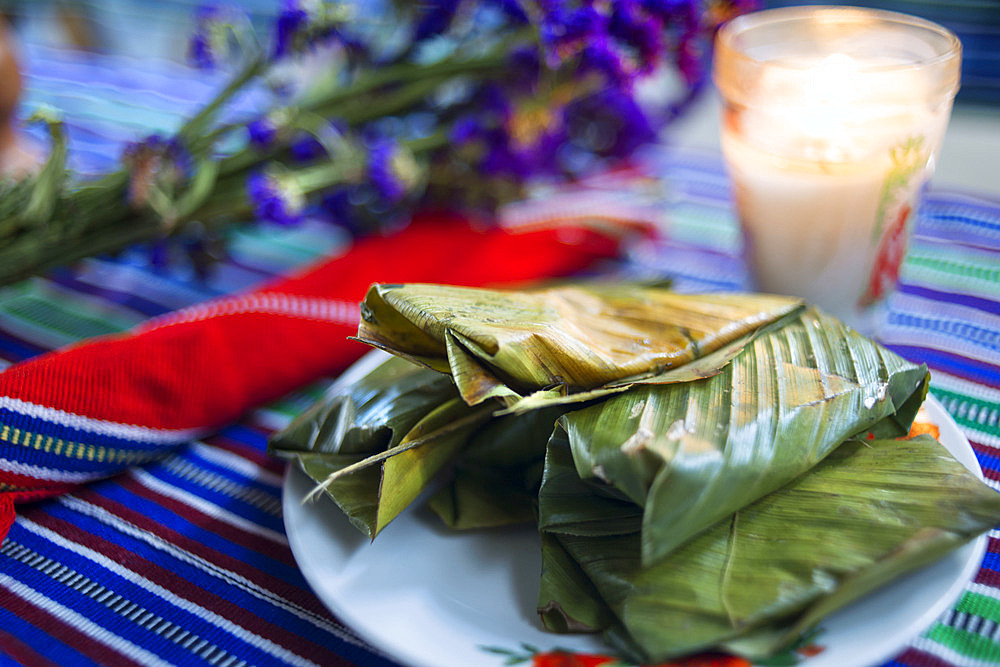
[[185, 561]]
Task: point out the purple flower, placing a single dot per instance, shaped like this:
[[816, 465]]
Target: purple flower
[[609, 123], [201, 48], [211, 42], [290, 23], [274, 199], [565, 31], [434, 18], [524, 68], [155, 161], [302, 23], [200, 54], [263, 132], [514, 11], [465, 130], [691, 59], [669, 11], [639, 32], [384, 170], [600, 57], [306, 148], [337, 204]]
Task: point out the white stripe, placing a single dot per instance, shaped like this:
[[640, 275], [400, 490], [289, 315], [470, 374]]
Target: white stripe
[[956, 313], [188, 606], [81, 623], [271, 303], [967, 387], [945, 653], [48, 474], [205, 506], [272, 419], [212, 569], [982, 437], [237, 464], [98, 426], [918, 336], [236, 489], [984, 590]]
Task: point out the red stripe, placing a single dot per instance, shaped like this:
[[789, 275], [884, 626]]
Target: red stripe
[[917, 658], [984, 449], [6, 515], [66, 633], [225, 561], [258, 543], [988, 577], [245, 451], [185, 589], [22, 653]]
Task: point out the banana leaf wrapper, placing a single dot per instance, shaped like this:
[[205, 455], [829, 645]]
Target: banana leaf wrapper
[[692, 453], [398, 426], [561, 340], [755, 582], [496, 478]]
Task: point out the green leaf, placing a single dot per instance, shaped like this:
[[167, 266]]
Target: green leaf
[[574, 338], [692, 453], [374, 444], [497, 475], [754, 582], [405, 475], [47, 186]]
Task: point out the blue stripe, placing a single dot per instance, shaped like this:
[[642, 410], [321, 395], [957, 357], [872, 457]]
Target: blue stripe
[[13, 348], [68, 278], [271, 490], [986, 339], [237, 506], [246, 435], [218, 585], [44, 644], [987, 461], [193, 531], [954, 364], [26, 422], [115, 623], [985, 305]]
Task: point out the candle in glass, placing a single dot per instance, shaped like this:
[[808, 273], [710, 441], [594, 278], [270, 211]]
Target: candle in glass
[[832, 117]]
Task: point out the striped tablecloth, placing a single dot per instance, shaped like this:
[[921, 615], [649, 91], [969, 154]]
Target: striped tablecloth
[[186, 561]]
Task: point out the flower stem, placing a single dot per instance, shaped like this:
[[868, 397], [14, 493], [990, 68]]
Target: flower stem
[[194, 125]]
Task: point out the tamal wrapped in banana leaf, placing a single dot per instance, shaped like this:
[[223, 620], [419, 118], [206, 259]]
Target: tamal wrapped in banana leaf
[[755, 581], [409, 415], [692, 453], [509, 344], [719, 471]]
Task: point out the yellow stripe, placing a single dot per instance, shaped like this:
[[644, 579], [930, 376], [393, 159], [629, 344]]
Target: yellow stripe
[[77, 450]]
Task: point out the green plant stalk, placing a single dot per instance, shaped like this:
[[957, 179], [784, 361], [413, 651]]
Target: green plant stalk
[[95, 218]]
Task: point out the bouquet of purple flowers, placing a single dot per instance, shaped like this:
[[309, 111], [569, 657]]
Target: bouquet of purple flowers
[[377, 108]]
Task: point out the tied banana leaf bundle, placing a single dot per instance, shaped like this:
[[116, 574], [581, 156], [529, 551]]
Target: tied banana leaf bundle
[[756, 581], [568, 339], [704, 470]]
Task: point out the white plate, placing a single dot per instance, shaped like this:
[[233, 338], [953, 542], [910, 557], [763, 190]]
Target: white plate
[[430, 597]]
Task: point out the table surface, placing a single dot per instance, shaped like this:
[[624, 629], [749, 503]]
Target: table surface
[[152, 565]]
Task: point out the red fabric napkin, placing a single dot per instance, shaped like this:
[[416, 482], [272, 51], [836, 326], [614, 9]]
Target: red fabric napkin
[[93, 409]]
